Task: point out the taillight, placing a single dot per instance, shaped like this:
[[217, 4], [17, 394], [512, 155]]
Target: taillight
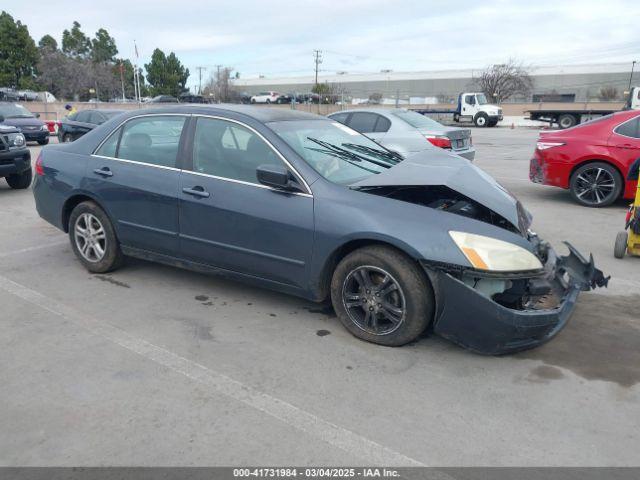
[[39, 167], [547, 145], [439, 141]]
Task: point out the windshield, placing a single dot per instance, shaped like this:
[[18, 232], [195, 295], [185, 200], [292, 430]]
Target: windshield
[[482, 100], [416, 119], [336, 152], [13, 110]]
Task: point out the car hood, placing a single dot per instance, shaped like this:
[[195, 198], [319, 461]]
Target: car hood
[[23, 122], [440, 168]]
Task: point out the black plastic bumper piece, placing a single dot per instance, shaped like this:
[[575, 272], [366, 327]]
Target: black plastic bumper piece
[[14, 161], [477, 322]]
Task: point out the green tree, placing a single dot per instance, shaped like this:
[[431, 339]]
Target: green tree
[[75, 43], [48, 43], [103, 47], [165, 74], [127, 73], [18, 53]]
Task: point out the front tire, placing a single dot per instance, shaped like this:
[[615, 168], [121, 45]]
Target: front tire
[[481, 120], [595, 184], [20, 181], [620, 247], [93, 238], [43, 142], [381, 296]]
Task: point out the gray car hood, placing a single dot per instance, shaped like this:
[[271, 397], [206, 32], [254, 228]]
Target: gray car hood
[[442, 168]]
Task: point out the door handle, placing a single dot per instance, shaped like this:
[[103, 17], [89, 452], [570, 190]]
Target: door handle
[[104, 171], [197, 191]]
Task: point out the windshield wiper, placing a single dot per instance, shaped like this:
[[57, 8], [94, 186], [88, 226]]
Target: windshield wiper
[[344, 155], [348, 153], [392, 156]]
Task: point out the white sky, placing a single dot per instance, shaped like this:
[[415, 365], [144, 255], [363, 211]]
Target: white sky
[[277, 38]]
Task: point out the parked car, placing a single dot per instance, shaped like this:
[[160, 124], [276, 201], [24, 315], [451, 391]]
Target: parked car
[[162, 99], [15, 159], [77, 124], [304, 205], [33, 129], [9, 95], [591, 159], [265, 97], [406, 132], [191, 98], [28, 95]]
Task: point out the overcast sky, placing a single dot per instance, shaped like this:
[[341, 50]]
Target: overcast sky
[[277, 38]]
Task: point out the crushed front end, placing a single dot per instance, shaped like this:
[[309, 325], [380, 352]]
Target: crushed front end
[[497, 313]]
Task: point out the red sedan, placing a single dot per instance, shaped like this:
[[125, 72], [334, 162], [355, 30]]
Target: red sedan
[[591, 159]]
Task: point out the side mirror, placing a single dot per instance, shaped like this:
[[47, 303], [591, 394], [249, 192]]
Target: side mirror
[[37, 115], [276, 176]]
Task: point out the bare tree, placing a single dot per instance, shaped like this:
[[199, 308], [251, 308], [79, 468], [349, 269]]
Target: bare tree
[[220, 86], [608, 93], [503, 81]]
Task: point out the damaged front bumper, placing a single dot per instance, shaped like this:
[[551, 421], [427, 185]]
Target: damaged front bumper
[[495, 314]]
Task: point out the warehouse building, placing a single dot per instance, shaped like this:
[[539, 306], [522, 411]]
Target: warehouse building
[[568, 83]]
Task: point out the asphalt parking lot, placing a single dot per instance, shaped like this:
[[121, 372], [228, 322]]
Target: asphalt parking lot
[[152, 365]]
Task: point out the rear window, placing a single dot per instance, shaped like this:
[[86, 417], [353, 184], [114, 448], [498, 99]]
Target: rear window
[[630, 128], [416, 120]]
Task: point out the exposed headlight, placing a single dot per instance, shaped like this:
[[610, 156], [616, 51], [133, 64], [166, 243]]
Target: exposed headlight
[[486, 253], [16, 140]]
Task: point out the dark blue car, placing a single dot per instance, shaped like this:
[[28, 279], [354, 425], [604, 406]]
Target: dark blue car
[[33, 129], [305, 205]]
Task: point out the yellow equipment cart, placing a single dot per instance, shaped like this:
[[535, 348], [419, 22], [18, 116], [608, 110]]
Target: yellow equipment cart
[[628, 241]]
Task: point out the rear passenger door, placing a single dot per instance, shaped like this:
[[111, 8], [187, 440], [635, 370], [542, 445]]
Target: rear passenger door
[[135, 174], [372, 125], [81, 124]]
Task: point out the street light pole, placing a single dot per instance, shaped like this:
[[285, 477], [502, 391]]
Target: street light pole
[[633, 64]]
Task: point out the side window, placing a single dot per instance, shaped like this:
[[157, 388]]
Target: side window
[[110, 146], [153, 140], [630, 128], [340, 117], [363, 122], [82, 116], [228, 150], [469, 100], [383, 124]]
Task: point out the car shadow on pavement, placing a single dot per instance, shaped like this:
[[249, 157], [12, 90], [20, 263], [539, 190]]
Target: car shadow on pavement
[[600, 342]]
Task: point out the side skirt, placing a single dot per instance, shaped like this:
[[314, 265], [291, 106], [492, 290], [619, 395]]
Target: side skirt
[[212, 270]]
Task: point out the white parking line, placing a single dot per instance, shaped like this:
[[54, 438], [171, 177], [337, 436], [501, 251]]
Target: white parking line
[[31, 249], [339, 437]]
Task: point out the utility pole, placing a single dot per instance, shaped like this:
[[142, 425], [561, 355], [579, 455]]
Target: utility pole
[[218, 67], [633, 64], [200, 69], [317, 54]]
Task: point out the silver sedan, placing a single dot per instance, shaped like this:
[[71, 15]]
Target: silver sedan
[[406, 132]]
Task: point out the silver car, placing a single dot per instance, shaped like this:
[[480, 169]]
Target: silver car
[[406, 132]]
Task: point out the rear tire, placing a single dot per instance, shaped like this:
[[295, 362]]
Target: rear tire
[[93, 238], [391, 304], [481, 120], [43, 142], [620, 248], [606, 177], [567, 121], [20, 181]]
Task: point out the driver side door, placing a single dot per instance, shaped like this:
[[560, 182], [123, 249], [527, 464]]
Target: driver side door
[[231, 221]]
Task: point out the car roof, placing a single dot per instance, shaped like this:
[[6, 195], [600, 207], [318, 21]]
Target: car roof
[[261, 114], [379, 110]]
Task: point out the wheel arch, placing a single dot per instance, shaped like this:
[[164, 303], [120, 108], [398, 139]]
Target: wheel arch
[[596, 160], [323, 287], [73, 201]]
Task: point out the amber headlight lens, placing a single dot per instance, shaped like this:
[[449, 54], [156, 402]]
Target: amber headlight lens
[[486, 253]]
